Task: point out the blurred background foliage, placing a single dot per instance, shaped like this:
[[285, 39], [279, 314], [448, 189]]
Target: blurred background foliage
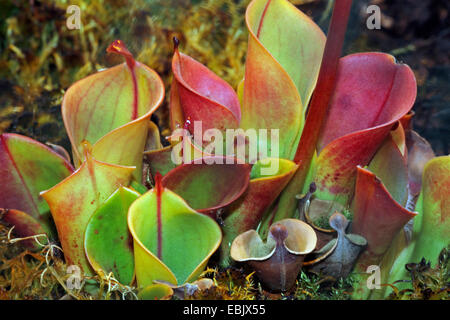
[[40, 57]]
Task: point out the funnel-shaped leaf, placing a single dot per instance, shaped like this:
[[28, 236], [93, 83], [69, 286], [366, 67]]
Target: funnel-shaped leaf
[[198, 94], [377, 216], [278, 261], [372, 93], [379, 219], [209, 183], [111, 110], [108, 243], [432, 234], [390, 166], [431, 227], [399, 246], [283, 60], [247, 212], [73, 201], [172, 242], [26, 168]]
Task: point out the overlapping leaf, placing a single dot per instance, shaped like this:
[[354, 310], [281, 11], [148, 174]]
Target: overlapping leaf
[[26, 168], [283, 60], [198, 94], [372, 93], [108, 243], [209, 183], [172, 242], [378, 218], [73, 201], [111, 110], [429, 233]]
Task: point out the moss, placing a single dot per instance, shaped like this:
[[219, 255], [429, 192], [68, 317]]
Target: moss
[[27, 275], [323, 222], [229, 284], [427, 283], [43, 275], [40, 57], [314, 287]]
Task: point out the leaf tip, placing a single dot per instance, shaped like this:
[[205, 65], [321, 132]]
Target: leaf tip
[[176, 43], [117, 46], [87, 149]]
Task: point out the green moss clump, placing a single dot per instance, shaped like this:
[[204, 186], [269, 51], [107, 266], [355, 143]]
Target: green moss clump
[[427, 283]]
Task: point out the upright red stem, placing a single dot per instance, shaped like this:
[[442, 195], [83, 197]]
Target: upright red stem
[[318, 108], [324, 88]]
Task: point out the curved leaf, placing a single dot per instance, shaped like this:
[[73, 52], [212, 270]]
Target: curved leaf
[[431, 227], [107, 241], [390, 166], [209, 183], [165, 159], [111, 110], [372, 93], [283, 60], [26, 168], [379, 219], [198, 94], [73, 201], [432, 234], [172, 242], [377, 216]]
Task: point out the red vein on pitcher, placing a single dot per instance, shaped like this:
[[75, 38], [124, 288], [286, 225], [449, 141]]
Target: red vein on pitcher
[[262, 18], [119, 47]]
